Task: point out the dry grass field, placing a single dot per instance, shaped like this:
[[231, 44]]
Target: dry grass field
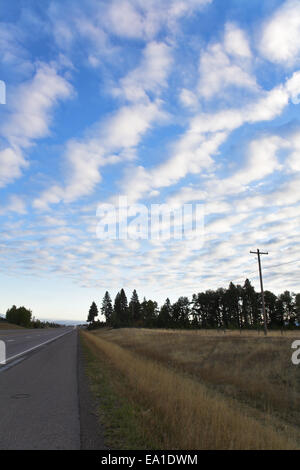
[[208, 389], [9, 326]]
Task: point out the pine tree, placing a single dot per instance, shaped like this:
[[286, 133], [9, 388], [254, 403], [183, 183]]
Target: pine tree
[[181, 312], [165, 315], [234, 307], [289, 308], [233, 302], [271, 311], [149, 311], [120, 316], [107, 308], [93, 312], [250, 305], [135, 309]]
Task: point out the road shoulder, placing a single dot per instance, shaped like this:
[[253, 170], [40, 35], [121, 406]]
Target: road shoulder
[[91, 431]]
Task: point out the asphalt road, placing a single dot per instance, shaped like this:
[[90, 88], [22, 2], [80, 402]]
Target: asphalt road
[[45, 401], [19, 342]]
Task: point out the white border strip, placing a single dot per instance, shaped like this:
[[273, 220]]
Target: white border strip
[[38, 346]]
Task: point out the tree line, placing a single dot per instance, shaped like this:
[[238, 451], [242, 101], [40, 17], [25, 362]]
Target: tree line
[[236, 307], [23, 317]]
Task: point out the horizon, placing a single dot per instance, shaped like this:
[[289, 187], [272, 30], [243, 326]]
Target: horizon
[[183, 104]]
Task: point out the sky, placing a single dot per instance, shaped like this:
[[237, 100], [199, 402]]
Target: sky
[[162, 102]]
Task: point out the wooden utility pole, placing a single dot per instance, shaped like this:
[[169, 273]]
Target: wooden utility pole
[[258, 253]]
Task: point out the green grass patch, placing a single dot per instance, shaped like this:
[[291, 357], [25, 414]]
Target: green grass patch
[[120, 416]]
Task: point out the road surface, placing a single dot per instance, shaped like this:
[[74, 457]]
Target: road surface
[[44, 396], [19, 342]]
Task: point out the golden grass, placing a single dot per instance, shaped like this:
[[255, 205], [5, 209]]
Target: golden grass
[[9, 326], [248, 367], [186, 405]]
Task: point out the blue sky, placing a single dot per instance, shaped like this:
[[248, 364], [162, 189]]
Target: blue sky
[[164, 102]]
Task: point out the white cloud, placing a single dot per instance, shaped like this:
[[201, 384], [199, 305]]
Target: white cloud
[[11, 164], [31, 104], [287, 194], [280, 35], [223, 65], [224, 224], [188, 98], [13, 53], [63, 29], [193, 152], [145, 19], [293, 160], [116, 139], [236, 42], [120, 136], [29, 118], [293, 87], [124, 19], [262, 160], [150, 75], [15, 204], [97, 22], [125, 130], [246, 219], [199, 195], [269, 105]]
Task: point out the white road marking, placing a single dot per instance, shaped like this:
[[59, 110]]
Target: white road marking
[[35, 347]]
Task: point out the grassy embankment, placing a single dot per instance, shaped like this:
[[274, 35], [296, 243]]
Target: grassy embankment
[[196, 389], [9, 326]]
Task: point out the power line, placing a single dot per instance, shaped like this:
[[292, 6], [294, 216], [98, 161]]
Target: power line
[[282, 264], [242, 278], [265, 267]]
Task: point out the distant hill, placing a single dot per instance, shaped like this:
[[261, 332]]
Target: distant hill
[[63, 322], [51, 320]]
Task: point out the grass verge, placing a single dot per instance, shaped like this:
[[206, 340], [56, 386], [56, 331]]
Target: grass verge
[[118, 414]]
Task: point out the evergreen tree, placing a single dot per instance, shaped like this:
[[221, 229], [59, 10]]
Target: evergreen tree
[[165, 315], [280, 312], [135, 309], [149, 313], [181, 312], [234, 307], [289, 308], [199, 310], [233, 301], [250, 306], [121, 317], [19, 316], [271, 310], [223, 309], [93, 313], [107, 308], [213, 309]]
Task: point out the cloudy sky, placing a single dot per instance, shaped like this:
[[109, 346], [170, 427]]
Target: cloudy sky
[[161, 101]]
